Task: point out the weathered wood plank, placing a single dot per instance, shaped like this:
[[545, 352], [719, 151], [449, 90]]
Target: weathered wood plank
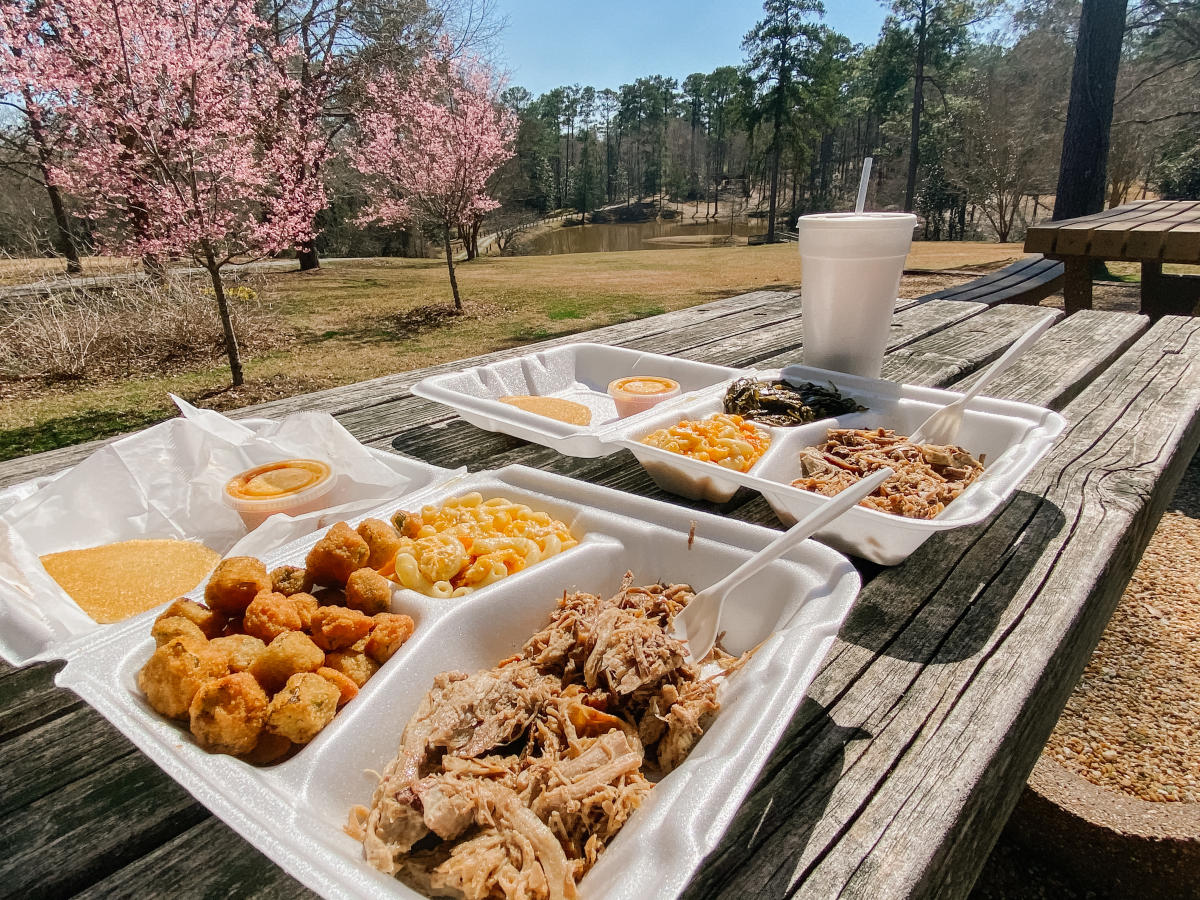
[[1149, 239], [74, 837], [70, 746], [952, 353], [1066, 359], [210, 860], [1183, 244], [28, 698], [909, 325], [952, 669]]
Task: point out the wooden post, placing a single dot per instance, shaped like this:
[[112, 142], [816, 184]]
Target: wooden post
[[1077, 283]]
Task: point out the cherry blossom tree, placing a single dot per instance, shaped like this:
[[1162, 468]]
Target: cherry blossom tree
[[429, 146], [175, 131]]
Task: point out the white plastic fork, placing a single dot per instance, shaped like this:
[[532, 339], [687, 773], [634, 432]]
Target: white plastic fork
[[697, 622], [942, 426]]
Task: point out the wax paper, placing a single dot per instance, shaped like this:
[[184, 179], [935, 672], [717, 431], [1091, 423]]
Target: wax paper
[[167, 482]]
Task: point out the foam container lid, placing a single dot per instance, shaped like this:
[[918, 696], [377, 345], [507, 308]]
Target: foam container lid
[[578, 372], [294, 811]]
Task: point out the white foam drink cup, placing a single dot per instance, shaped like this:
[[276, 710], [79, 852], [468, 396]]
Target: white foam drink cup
[[851, 265]]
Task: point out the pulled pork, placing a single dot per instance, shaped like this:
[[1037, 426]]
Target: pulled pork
[[927, 476], [510, 782]]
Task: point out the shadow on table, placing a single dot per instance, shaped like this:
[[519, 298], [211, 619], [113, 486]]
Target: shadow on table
[[760, 850], [944, 602]]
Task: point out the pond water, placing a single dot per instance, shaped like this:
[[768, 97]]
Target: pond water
[[638, 236]]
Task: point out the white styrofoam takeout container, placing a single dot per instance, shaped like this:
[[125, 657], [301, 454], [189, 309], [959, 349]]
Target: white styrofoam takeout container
[[683, 475], [578, 372], [1011, 436], [294, 811]]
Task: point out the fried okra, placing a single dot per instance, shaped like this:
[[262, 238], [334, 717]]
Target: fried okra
[[305, 605], [234, 583], [306, 704], [206, 620], [344, 683], [237, 651], [168, 628], [289, 580], [227, 714], [382, 539], [354, 664], [388, 633], [336, 555], [270, 615], [270, 748], [368, 592], [173, 674], [288, 654], [336, 627]]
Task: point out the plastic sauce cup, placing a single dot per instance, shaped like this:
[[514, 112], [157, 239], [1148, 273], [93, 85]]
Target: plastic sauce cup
[[851, 265], [291, 486], [637, 393]]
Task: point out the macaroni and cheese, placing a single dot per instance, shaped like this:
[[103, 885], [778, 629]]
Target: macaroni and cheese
[[724, 439], [466, 543]]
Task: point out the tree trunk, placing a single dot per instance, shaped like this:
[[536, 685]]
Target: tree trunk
[[450, 266], [914, 141], [1081, 172], [775, 155], [231, 347], [66, 243], [308, 257]]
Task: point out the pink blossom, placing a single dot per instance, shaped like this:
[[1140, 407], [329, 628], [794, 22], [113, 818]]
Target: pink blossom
[[180, 130], [428, 146]]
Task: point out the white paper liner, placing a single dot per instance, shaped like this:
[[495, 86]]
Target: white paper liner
[[294, 812], [167, 482]]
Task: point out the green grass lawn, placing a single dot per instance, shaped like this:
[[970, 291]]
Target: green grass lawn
[[360, 319]]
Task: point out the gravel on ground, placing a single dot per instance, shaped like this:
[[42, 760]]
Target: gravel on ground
[[1133, 722]]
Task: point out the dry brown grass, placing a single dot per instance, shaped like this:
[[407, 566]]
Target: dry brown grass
[[359, 319]]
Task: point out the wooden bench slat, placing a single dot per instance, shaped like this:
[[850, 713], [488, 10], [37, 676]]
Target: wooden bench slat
[[1028, 281]]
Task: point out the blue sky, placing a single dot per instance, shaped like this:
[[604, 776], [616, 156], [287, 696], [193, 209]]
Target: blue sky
[[607, 43]]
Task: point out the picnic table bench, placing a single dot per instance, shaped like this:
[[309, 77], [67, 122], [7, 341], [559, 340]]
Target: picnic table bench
[[899, 770], [1028, 280]]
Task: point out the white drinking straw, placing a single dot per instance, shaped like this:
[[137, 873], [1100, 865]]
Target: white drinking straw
[[862, 184]]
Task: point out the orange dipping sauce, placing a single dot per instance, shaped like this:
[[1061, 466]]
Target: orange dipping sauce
[[645, 384], [277, 480], [636, 393]]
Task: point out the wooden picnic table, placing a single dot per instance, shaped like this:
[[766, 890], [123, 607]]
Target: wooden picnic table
[[899, 770], [1150, 232]]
